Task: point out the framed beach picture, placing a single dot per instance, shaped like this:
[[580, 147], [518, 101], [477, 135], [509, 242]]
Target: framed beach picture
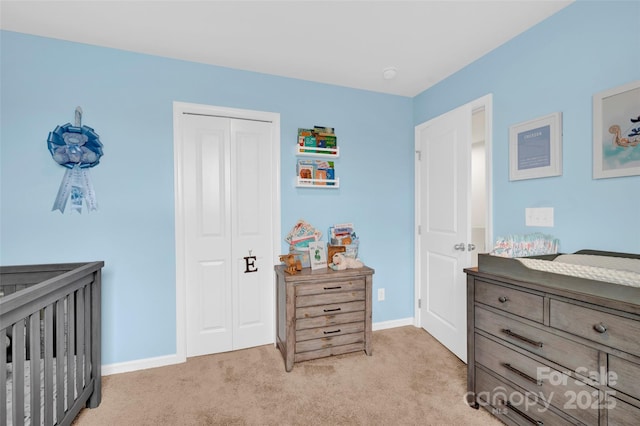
[[318, 254], [535, 148], [616, 132]]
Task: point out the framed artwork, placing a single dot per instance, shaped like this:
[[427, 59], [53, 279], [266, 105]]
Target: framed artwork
[[616, 132], [318, 255], [535, 148]]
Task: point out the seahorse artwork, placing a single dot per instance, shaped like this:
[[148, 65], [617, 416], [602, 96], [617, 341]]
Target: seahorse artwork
[[630, 141], [78, 148]]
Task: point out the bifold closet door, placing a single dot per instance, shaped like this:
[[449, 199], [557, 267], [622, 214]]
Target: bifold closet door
[[228, 233]]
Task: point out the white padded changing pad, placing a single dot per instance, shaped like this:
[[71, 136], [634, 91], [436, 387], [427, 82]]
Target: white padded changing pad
[[617, 270]]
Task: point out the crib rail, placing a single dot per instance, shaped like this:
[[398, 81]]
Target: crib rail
[[54, 331]]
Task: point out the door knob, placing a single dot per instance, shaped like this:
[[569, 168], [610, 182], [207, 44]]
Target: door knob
[[471, 247], [459, 247]]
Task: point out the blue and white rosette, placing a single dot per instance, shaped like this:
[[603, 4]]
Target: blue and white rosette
[[78, 148]]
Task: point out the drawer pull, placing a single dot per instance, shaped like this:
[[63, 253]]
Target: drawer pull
[[524, 415], [333, 288], [524, 339], [333, 310], [503, 299], [521, 374], [332, 332], [600, 328]]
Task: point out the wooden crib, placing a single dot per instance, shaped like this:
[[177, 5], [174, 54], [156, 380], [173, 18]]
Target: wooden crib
[[50, 327]]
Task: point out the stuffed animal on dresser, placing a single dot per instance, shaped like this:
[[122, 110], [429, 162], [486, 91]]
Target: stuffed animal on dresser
[[341, 262]]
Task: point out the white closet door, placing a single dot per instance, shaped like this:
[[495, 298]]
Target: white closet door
[[227, 210]]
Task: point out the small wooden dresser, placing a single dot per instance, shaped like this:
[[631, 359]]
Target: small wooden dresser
[[551, 349], [323, 313]]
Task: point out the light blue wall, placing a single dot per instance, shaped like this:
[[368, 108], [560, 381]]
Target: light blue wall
[[127, 98], [557, 66]]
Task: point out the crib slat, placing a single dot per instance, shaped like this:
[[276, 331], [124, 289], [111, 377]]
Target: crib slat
[[3, 373], [71, 340], [34, 349], [17, 359], [59, 384], [79, 339], [48, 365]]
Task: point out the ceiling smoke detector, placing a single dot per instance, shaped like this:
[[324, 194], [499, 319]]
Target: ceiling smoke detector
[[389, 73]]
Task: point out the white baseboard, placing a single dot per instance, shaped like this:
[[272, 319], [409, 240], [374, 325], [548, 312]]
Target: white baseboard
[[392, 324], [162, 361], [141, 364]]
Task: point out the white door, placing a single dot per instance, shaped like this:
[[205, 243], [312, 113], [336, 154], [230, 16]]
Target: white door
[[443, 162], [227, 216]]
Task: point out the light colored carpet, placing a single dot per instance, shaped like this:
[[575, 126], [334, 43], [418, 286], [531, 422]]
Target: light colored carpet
[[411, 379]]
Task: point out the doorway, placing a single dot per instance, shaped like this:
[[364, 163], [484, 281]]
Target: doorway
[[227, 227], [453, 216]]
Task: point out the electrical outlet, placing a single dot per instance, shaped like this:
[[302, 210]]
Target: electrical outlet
[[380, 294]]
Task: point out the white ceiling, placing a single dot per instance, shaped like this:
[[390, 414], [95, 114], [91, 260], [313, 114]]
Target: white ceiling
[[346, 43]]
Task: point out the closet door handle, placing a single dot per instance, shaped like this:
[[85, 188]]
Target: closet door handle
[[522, 338], [459, 247], [503, 299], [521, 374]]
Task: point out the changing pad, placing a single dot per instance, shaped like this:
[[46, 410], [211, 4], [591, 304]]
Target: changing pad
[[617, 270]]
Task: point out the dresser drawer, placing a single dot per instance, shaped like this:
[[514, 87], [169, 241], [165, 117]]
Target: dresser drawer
[[601, 327], [554, 387], [626, 378], [329, 298], [335, 330], [557, 349], [334, 309], [328, 320], [328, 342], [521, 303], [507, 403], [329, 287], [622, 414]]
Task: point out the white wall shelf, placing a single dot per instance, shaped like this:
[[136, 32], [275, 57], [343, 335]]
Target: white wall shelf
[[319, 152], [318, 183]]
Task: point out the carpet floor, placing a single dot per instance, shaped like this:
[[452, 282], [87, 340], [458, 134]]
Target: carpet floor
[[411, 379]]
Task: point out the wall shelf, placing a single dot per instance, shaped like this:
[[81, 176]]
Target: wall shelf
[[319, 152], [318, 183]]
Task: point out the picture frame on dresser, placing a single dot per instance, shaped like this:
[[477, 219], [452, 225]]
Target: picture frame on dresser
[[535, 148], [616, 131]]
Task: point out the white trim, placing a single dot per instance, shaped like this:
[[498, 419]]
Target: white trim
[[180, 108], [486, 103], [392, 324], [140, 364]]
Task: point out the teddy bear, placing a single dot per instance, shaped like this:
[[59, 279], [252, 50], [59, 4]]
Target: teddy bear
[[340, 262]]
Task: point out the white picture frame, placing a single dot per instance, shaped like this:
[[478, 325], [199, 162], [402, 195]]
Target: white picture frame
[[535, 148], [318, 255], [616, 152]]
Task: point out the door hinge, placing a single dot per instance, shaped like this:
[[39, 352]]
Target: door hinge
[[419, 230], [419, 155], [419, 303]]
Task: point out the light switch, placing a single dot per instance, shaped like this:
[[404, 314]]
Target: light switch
[[539, 216]]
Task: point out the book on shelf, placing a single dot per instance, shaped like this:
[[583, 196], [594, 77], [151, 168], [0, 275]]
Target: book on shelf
[[303, 133], [318, 137], [306, 172], [324, 130]]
